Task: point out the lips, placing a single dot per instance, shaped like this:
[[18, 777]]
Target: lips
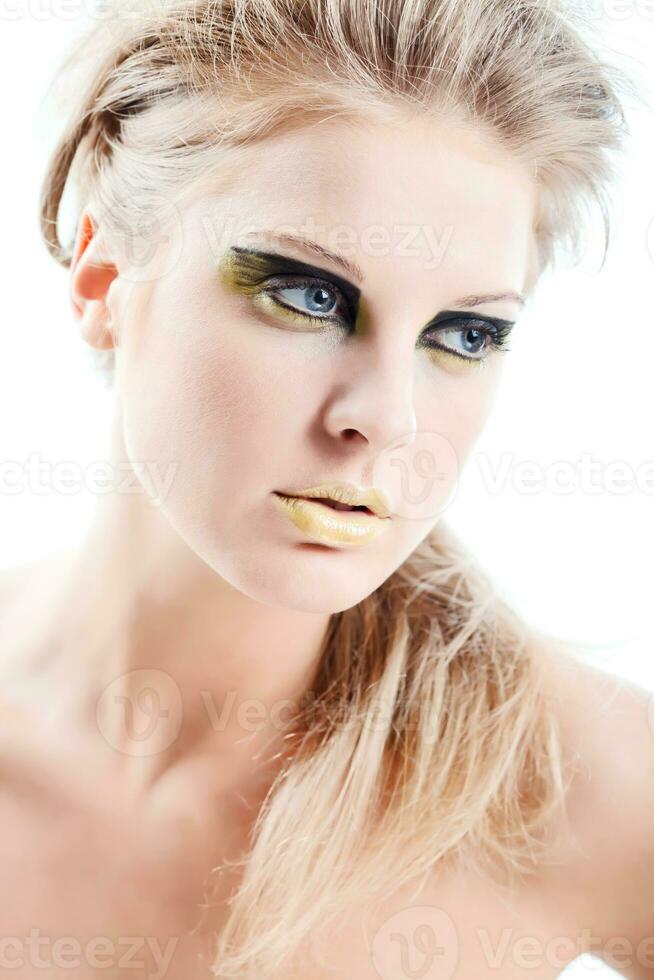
[[344, 497], [336, 504], [331, 522]]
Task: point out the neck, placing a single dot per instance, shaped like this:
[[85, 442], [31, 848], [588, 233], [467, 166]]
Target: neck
[[167, 666]]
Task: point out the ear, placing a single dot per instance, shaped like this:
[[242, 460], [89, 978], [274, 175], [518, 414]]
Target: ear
[[91, 275]]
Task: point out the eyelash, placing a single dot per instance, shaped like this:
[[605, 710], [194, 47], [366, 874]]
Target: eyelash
[[498, 332]]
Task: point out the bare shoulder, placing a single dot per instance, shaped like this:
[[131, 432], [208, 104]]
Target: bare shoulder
[[607, 730], [600, 712]]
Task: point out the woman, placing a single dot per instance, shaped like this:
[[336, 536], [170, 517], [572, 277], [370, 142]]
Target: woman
[[256, 735]]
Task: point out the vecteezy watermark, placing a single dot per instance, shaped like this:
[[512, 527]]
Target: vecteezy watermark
[[98, 953], [140, 713], [42, 476], [146, 242], [620, 10], [529, 952], [419, 472], [106, 11], [416, 943], [42, 10], [416, 241], [583, 475], [421, 942]]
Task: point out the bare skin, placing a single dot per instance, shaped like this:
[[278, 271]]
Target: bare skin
[[130, 886], [110, 835]]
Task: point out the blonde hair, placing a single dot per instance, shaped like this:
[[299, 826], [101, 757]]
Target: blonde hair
[[464, 760]]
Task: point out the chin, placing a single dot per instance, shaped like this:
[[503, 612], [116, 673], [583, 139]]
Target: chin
[[309, 587]]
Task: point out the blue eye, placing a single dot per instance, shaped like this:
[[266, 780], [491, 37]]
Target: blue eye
[[476, 334], [315, 298], [321, 300]]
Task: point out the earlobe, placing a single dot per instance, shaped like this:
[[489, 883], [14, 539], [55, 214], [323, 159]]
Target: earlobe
[[91, 275]]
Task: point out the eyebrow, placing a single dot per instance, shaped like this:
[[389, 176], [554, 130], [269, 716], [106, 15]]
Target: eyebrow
[[354, 270], [351, 268]]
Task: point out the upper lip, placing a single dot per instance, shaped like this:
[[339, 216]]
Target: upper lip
[[347, 493]]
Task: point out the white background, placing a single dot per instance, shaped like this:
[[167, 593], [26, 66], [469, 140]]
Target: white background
[[579, 380]]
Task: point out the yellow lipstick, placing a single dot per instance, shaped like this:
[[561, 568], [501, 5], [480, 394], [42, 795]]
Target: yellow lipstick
[[324, 524]]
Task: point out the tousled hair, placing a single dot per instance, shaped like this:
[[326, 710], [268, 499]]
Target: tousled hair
[[464, 761]]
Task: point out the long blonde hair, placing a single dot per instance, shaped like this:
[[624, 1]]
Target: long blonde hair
[[464, 759]]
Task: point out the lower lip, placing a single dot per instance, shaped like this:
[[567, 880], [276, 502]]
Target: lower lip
[[324, 524]]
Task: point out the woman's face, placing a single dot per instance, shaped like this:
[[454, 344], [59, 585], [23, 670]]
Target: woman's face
[[252, 381]]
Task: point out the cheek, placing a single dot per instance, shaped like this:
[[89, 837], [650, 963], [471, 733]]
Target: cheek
[[456, 408], [201, 393]]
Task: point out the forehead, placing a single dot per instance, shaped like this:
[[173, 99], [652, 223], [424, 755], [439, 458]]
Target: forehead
[[421, 194]]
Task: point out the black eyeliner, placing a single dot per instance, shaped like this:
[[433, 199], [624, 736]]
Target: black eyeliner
[[252, 271], [467, 315], [258, 266]]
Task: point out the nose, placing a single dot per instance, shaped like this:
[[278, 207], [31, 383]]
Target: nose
[[374, 404]]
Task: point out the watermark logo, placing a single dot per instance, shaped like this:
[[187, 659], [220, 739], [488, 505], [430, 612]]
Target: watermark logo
[[418, 943], [585, 475], [100, 477], [140, 713], [146, 245], [410, 240], [420, 473], [98, 953]]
